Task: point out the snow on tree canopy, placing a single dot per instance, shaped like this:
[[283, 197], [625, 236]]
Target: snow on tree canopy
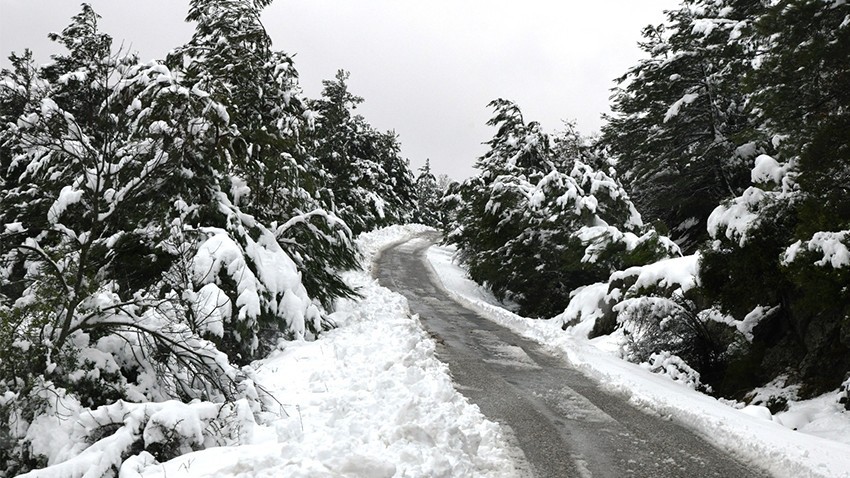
[[267, 280], [540, 221], [735, 219], [768, 170], [680, 114], [833, 247], [675, 107], [678, 273]]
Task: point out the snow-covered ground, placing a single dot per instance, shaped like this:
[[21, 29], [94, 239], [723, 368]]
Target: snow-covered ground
[[819, 448], [368, 399]]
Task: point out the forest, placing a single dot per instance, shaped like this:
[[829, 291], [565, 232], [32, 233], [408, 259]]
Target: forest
[[164, 224]]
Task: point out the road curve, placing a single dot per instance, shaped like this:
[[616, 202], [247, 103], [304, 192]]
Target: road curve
[[565, 425]]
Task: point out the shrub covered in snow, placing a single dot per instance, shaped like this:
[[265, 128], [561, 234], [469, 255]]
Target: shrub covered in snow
[[844, 394], [674, 367], [661, 314], [76, 441]]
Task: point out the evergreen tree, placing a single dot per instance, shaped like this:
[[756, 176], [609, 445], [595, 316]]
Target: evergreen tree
[[159, 223], [801, 90], [533, 232], [107, 166], [680, 133], [428, 197], [790, 229], [268, 171], [98, 168], [370, 183]]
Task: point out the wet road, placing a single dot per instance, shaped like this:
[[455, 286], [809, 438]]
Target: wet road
[[565, 425]]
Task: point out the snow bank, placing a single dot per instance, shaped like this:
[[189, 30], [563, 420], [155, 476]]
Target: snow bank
[[372, 243], [821, 447], [368, 399], [584, 308]]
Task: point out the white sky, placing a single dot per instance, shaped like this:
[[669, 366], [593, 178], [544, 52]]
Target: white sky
[[427, 69]]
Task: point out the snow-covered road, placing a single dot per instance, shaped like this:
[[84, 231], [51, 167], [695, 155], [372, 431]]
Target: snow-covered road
[[370, 399], [564, 422], [366, 400]]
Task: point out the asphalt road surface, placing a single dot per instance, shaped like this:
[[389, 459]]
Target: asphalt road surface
[[561, 422]]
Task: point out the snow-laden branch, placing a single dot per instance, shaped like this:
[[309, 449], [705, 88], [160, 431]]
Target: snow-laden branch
[[331, 219]]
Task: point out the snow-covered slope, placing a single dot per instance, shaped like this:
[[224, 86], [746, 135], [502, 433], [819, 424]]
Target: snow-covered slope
[[368, 399], [819, 448]]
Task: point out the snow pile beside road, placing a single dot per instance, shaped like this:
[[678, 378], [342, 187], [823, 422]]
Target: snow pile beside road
[[368, 399], [821, 447], [372, 243]]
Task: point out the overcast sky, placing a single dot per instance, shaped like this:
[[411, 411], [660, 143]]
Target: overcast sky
[[427, 69]]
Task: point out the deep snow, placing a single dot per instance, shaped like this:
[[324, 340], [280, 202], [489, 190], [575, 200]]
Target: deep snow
[[367, 399], [819, 448], [370, 399]]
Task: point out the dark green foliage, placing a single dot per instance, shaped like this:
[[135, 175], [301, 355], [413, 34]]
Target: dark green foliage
[[536, 224], [800, 94], [428, 197], [822, 311], [729, 268], [680, 117], [368, 181], [802, 90]]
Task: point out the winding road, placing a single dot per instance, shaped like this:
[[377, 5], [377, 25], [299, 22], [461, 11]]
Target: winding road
[[561, 422]]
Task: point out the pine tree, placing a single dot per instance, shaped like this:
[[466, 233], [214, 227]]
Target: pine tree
[[159, 223], [802, 91], [532, 231], [680, 133], [791, 227], [108, 165], [428, 197], [370, 183], [93, 152], [269, 173]]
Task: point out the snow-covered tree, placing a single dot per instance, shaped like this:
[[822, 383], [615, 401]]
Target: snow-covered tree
[[157, 225], [428, 197], [801, 90], [106, 169], [782, 245], [269, 173], [742, 103], [680, 133], [533, 232], [370, 183]]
